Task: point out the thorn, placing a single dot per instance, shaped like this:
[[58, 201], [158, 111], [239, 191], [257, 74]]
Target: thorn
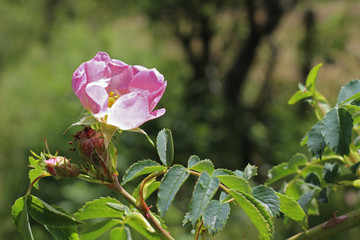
[[147, 215]]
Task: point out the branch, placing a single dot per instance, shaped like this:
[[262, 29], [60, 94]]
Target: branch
[[332, 227]]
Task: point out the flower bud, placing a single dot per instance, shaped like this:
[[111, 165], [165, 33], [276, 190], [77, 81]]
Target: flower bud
[[60, 167]]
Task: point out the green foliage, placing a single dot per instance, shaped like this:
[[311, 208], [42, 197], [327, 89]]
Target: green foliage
[[170, 185], [120, 233], [21, 218], [93, 231], [203, 165], [215, 216], [316, 141], [235, 182], [204, 190], [141, 168], [101, 208], [65, 233], [292, 209], [165, 147], [349, 92], [331, 172], [268, 198]]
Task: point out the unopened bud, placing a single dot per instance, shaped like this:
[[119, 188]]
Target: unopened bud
[[60, 167]]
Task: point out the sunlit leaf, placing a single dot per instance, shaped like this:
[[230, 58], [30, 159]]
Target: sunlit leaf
[[165, 147], [141, 168], [235, 182], [170, 185], [99, 208], [20, 218], [203, 165], [292, 209], [311, 78], [120, 233], [94, 231], [33, 174], [299, 95], [215, 216], [268, 198]]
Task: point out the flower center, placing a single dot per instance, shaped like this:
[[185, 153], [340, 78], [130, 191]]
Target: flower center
[[112, 98]]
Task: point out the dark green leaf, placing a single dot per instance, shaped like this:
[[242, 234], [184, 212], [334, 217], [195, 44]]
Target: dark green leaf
[[165, 147], [322, 197], [215, 216], [93, 231], [48, 215], [256, 213], [249, 171], [193, 160], [100, 208], [316, 141], [348, 92], [311, 78], [170, 185], [203, 165], [305, 200], [331, 172], [299, 95], [69, 233], [20, 218], [268, 198], [141, 168], [292, 209], [336, 129], [354, 167], [120, 233], [235, 182], [204, 190], [313, 179]]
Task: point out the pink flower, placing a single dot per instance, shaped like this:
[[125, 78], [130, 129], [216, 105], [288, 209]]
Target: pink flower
[[118, 94], [60, 167]]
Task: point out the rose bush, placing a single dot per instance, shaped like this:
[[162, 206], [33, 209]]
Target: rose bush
[[118, 94]]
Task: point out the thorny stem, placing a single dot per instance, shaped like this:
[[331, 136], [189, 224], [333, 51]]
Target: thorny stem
[[115, 186], [35, 180]]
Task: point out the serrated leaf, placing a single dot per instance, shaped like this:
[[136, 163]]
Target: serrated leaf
[[141, 168], [313, 179], [221, 171], [69, 233], [33, 174], [348, 92], [100, 208], [204, 190], [223, 196], [305, 200], [249, 171], [292, 209], [120, 233], [235, 182], [203, 165], [170, 185], [93, 231], [331, 172], [165, 147], [316, 141], [336, 129], [136, 221], [48, 215], [268, 198], [299, 95], [311, 78], [215, 216], [149, 188], [256, 213], [298, 160], [20, 218], [193, 160]]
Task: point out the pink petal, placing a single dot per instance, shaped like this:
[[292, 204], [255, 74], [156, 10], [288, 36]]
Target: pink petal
[[129, 111], [121, 75], [157, 113], [98, 99], [150, 82]]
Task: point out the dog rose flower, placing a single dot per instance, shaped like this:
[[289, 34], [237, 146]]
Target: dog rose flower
[[118, 94], [61, 167]]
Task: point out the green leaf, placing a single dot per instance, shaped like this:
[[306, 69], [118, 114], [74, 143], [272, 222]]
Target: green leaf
[[120, 233], [68, 233], [268, 198], [322, 196], [336, 129], [299, 95], [100, 208], [141, 168], [149, 188], [86, 120], [316, 141], [113, 157], [354, 167], [235, 182], [20, 218], [348, 92], [221, 171], [311, 78], [93, 231], [331, 172], [165, 147], [293, 210], [170, 185], [313, 179], [193, 160], [203, 165], [305, 200], [33, 174], [249, 171], [215, 216], [256, 213], [205, 189], [48, 215], [136, 221]]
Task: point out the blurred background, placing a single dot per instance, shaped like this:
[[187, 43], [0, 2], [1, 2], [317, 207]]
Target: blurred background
[[231, 66]]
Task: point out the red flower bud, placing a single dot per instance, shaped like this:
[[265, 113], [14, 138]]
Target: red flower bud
[[61, 167]]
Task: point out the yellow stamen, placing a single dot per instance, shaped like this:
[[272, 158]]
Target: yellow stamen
[[112, 98]]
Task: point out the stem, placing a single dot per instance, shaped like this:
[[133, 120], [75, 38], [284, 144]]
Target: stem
[[198, 230], [222, 186], [115, 186], [319, 232], [35, 180]]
